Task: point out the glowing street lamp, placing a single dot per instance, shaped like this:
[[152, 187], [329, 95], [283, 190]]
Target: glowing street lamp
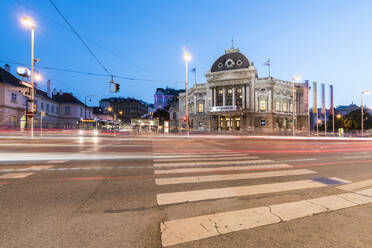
[[30, 23], [187, 58]]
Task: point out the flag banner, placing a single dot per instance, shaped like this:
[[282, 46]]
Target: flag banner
[[267, 62], [323, 99], [193, 69], [315, 104], [306, 96], [331, 107]]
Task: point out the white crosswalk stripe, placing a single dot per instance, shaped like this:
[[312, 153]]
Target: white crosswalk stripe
[[229, 168], [190, 229], [208, 194], [15, 175], [201, 163], [209, 158], [228, 177]]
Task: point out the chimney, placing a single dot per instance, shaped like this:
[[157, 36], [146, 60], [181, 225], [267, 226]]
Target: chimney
[[7, 67], [48, 87]]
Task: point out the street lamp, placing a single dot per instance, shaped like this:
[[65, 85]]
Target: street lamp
[[295, 79], [364, 92], [29, 23], [187, 58]]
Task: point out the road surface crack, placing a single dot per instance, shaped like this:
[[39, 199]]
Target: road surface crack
[[270, 210]]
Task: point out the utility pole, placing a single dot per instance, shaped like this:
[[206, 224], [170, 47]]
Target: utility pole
[[187, 58]]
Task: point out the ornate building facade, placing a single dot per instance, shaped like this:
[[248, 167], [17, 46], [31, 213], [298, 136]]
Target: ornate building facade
[[234, 98]]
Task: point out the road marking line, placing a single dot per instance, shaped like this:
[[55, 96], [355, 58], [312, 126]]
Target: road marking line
[[15, 175], [195, 228], [227, 177], [341, 180], [356, 185], [184, 164], [56, 161], [352, 157], [41, 167], [209, 194], [205, 159], [229, 168]]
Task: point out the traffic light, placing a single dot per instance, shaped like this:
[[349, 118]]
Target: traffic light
[[184, 119], [116, 88]]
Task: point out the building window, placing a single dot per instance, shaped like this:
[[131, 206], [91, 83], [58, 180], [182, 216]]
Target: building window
[[47, 107], [42, 106], [277, 106], [229, 97], [238, 98], [67, 110], [57, 110], [200, 108], [14, 98], [285, 106], [52, 107], [263, 105], [81, 112], [291, 107]]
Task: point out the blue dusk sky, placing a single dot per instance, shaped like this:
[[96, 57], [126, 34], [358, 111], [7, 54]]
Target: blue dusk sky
[[325, 41]]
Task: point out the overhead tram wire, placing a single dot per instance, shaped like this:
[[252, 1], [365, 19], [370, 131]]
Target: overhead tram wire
[[81, 39], [89, 40], [93, 73]]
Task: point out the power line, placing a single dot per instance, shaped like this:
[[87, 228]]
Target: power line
[[93, 73], [89, 40], [81, 39]]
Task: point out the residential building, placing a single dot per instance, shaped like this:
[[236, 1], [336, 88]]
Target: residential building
[[62, 110], [124, 109], [163, 97]]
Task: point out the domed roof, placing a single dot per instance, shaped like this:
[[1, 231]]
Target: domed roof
[[231, 60]]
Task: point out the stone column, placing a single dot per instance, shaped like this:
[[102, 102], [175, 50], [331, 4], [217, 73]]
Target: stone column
[[194, 104], [218, 123], [233, 97], [223, 97], [214, 97], [247, 98], [243, 97], [230, 127]]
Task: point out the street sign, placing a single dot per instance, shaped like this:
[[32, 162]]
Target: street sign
[[26, 84]]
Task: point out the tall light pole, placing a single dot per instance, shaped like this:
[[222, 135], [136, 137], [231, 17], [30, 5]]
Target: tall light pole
[[187, 58], [29, 23], [296, 78], [364, 92]]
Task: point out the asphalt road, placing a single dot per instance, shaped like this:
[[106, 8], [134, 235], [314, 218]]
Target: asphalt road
[[184, 192]]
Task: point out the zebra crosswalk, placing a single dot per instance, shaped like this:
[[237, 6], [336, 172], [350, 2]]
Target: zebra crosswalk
[[183, 170]]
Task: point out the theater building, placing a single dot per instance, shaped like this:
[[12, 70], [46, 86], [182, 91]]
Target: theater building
[[234, 98]]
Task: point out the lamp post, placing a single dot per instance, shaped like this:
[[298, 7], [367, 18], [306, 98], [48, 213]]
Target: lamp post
[[187, 58], [364, 92], [29, 23], [296, 78]]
